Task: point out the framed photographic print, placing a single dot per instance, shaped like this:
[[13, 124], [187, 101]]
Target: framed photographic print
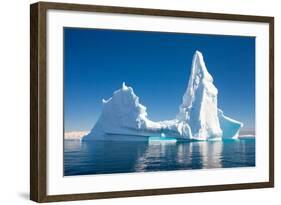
[[134, 102]]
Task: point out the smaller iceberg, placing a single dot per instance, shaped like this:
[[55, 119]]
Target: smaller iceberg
[[122, 114]]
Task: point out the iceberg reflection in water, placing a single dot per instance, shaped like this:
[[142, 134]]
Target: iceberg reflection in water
[[105, 157]]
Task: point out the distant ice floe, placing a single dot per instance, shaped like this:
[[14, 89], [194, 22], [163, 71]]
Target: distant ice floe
[[246, 137], [75, 135]]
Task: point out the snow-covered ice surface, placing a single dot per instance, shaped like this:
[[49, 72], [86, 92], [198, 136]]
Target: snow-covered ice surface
[[198, 119]]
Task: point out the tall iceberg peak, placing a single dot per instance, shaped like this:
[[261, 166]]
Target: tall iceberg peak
[[198, 119], [199, 103]]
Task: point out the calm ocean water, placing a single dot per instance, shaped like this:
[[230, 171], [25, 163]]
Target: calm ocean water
[[104, 157]]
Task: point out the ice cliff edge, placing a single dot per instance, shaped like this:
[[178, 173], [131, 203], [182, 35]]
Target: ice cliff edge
[[198, 119]]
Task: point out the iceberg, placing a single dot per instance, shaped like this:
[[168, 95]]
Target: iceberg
[[199, 117]]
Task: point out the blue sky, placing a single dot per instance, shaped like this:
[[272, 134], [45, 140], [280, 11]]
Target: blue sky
[[157, 65]]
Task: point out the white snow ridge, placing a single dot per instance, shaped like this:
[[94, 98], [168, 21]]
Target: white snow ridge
[[198, 119]]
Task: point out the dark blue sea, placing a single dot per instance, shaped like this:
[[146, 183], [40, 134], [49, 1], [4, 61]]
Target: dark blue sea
[[104, 157]]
